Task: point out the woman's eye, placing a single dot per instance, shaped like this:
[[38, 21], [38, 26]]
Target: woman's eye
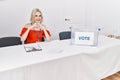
[[38, 15]]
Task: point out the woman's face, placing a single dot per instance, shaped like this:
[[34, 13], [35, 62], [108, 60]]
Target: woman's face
[[37, 17]]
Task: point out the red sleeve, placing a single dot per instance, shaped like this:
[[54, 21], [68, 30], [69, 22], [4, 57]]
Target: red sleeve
[[48, 33], [23, 31]]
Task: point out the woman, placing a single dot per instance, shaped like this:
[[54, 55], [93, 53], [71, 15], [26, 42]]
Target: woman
[[35, 31]]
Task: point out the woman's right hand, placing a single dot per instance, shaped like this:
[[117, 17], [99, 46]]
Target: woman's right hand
[[35, 25]]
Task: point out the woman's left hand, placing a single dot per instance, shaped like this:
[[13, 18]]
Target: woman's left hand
[[42, 27]]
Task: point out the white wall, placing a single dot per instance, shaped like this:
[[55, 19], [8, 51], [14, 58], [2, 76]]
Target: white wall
[[14, 14], [75, 11], [104, 13], [95, 13]]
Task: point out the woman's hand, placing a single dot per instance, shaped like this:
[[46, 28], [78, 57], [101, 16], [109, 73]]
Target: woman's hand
[[35, 25], [42, 27]]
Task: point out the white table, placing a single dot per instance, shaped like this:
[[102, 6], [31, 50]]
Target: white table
[[59, 60]]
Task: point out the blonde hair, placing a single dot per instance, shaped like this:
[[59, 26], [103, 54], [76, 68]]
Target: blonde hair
[[33, 15]]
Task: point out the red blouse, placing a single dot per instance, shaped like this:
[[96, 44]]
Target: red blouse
[[34, 36]]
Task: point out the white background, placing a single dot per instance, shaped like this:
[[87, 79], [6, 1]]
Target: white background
[[102, 13]]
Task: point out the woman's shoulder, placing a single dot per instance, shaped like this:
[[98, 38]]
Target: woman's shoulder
[[44, 25], [27, 25]]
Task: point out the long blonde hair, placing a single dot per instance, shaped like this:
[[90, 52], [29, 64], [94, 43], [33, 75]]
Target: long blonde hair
[[33, 15]]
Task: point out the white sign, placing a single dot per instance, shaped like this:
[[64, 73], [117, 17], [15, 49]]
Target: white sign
[[84, 38]]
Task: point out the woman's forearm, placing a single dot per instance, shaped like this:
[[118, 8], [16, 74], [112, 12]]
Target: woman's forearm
[[46, 35], [24, 36]]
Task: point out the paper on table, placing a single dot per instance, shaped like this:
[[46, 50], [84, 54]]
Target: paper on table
[[32, 47]]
